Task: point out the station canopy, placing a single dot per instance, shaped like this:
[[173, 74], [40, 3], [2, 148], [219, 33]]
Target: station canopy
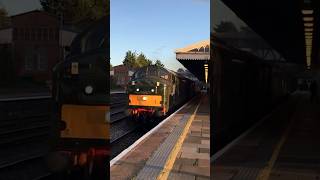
[[195, 58], [290, 26]]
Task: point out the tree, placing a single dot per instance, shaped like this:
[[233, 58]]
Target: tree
[[142, 61], [246, 29], [4, 18], [180, 70], [158, 63], [133, 60], [77, 11], [6, 66], [130, 59], [226, 26]]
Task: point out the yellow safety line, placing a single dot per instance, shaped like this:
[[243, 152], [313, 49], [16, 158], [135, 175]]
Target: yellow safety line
[[173, 155], [265, 172]]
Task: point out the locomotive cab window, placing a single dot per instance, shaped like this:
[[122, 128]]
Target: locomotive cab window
[[140, 74], [91, 40], [164, 74]]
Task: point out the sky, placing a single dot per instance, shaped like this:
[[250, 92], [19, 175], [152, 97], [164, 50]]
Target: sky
[[157, 28], [20, 6]]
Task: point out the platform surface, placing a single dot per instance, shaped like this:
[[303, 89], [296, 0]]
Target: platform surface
[[285, 146], [179, 149]]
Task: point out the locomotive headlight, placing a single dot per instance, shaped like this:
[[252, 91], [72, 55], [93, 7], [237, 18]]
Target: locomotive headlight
[[88, 89], [137, 89], [144, 98], [152, 90]]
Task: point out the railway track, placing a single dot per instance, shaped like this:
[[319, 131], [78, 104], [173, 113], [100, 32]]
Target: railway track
[[25, 134], [118, 107], [120, 126], [123, 132]]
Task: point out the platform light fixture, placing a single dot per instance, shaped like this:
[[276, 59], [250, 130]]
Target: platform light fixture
[[308, 24], [308, 39], [308, 33], [308, 29], [308, 61], [307, 11], [206, 72], [307, 19]]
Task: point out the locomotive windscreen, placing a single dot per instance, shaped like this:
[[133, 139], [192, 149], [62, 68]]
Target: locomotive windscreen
[[151, 71], [89, 40]]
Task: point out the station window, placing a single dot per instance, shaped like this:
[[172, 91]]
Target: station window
[[38, 34], [29, 63], [32, 34], [57, 35], [21, 34], [45, 34], [42, 62], [27, 34], [15, 33], [51, 34]]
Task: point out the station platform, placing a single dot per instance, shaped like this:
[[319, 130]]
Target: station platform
[[178, 148], [283, 146]]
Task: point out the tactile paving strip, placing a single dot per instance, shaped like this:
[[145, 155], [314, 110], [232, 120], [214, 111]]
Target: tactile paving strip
[[247, 173], [155, 164]]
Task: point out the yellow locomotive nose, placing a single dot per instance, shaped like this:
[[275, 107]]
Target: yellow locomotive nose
[[145, 100]]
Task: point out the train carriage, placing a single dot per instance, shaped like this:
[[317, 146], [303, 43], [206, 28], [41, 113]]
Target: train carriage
[[247, 86]]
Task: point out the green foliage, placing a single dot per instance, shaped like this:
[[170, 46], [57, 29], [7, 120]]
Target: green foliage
[[226, 26], [77, 11], [133, 60], [4, 18], [142, 61], [6, 66], [180, 70], [158, 63], [130, 59]]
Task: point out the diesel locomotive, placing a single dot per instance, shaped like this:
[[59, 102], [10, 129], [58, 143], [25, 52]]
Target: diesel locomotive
[[81, 92], [155, 91]]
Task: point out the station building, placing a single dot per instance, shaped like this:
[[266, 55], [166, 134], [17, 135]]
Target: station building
[[37, 42], [121, 74]]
